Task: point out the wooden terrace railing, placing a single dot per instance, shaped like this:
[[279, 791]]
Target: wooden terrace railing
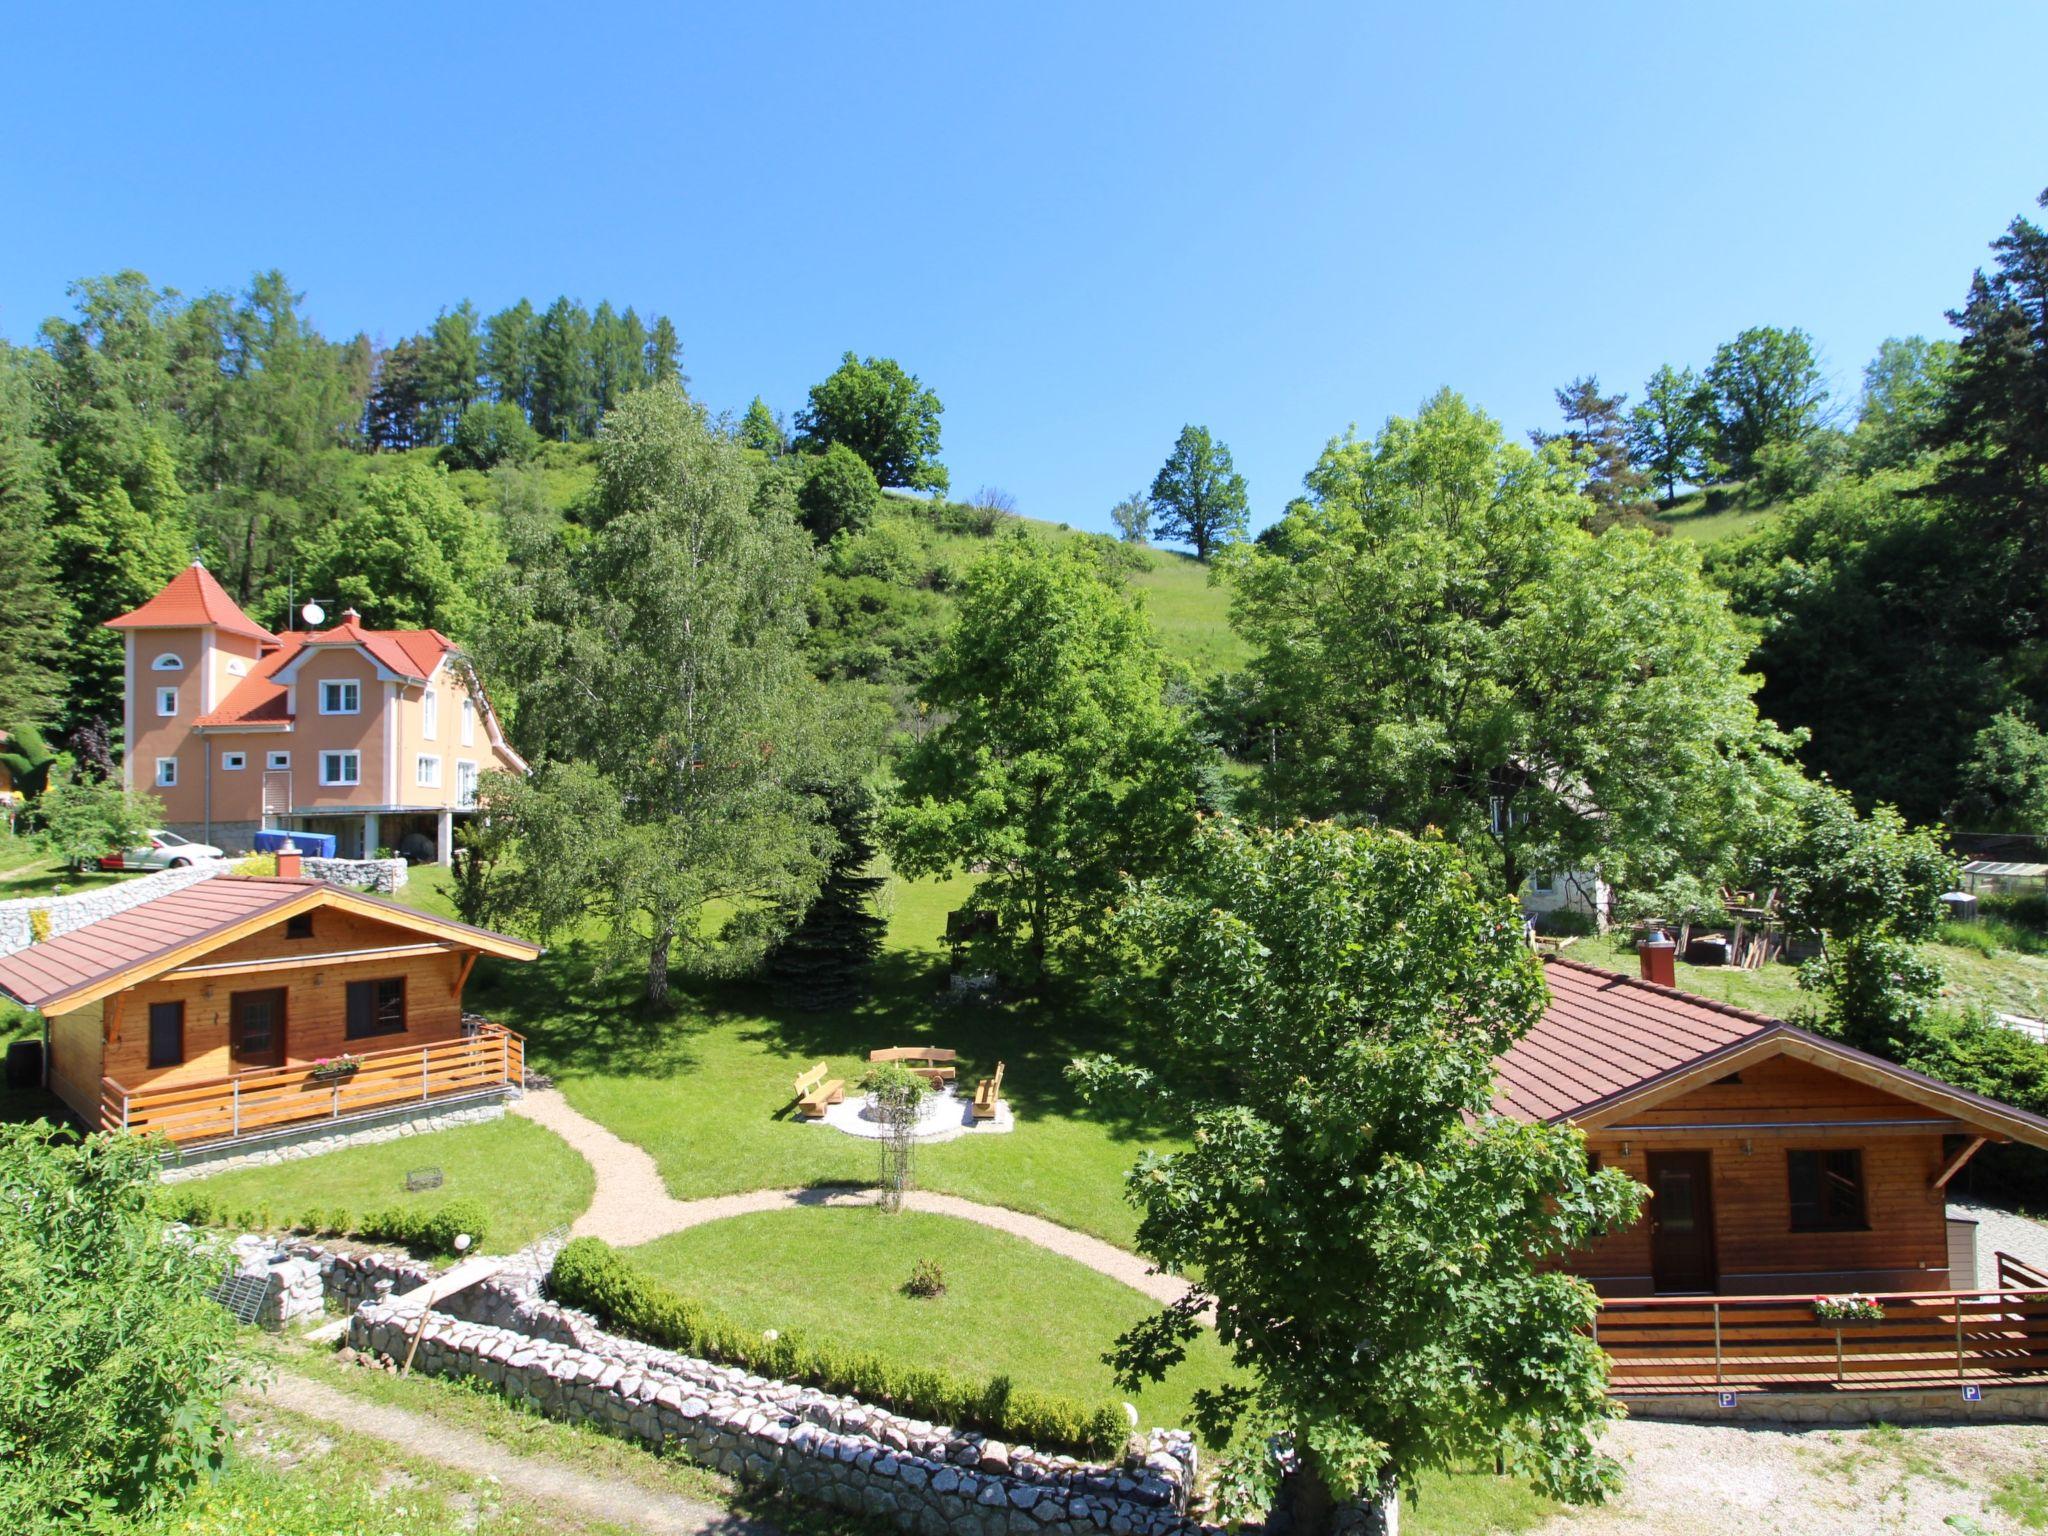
[[1925, 1338], [268, 1098]]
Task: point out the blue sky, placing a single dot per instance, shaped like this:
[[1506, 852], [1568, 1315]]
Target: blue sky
[[1083, 225]]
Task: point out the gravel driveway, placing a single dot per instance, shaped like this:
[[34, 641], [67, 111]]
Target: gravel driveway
[[1999, 1231]]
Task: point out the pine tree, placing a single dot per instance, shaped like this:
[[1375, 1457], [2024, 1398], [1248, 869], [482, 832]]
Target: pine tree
[[823, 962], [761, 431], [665, 353], [34, 613], [508, 354], [564, 377], [1598, 437]]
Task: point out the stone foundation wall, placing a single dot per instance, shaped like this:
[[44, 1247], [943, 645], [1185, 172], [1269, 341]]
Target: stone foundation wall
[[320, 1136], [1925, 1405], [382, 875], [81, 907]]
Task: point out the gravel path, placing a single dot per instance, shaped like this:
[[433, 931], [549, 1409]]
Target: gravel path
[[526, 1477], [1710, 1480], [2002, 1231], [632, 1205]]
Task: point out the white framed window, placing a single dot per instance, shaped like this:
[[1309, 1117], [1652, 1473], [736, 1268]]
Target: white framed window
[[167, 701], [465, 784], [427, 772], [1543, 885], [233, 761], [166, 772], [468, 722], [430, 714], [277, 760], [339, 698], [169, 661], [341, 767]]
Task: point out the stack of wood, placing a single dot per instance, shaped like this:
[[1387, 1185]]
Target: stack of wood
[[1759, 935]]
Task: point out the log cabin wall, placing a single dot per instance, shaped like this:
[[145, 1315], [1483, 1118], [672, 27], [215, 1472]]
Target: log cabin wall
[[75, 1061], [316, 999], [1776, 1107]]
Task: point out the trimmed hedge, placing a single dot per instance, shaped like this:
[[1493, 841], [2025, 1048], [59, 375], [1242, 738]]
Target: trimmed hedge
[[588, 1274], [428, 1229]]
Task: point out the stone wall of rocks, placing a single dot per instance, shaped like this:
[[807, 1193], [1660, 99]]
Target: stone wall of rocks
[[814, 1445], [384, 875], [318, 1136], [78, 908]]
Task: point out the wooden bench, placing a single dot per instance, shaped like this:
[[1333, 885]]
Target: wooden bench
[[814, 1091], [934, 1065], [988, 1093]]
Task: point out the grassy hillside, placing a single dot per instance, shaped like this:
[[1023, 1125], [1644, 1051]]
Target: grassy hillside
[[1707, 517]]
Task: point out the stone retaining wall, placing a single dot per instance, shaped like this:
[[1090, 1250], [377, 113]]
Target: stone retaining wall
[[1919, 1405], [814, 1445], [382, 875], [78, 908]]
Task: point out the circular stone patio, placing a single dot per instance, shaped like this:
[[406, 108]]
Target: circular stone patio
[[944, 1116]]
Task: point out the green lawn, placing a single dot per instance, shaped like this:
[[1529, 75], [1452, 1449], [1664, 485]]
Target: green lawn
[[1707, 517], [1008, 1307], [527, 1178], [39, 876], [707, 1090]]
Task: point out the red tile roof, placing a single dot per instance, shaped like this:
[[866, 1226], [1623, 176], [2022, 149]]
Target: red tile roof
[[191, 599], [259, 699], [1604, 1033], [44, 973]]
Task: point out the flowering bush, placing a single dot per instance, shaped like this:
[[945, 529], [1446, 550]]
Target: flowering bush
[[1853, 1308], [337, 1066]]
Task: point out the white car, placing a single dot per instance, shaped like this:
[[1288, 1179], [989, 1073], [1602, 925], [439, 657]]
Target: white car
[[161, 850]]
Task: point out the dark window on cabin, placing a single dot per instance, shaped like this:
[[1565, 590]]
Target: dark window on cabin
[[1827, 1191], [299, 926], [376, 1007], [166, 1034]]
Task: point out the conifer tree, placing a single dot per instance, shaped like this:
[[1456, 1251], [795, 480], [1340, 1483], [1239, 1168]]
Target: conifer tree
[[823, 961]]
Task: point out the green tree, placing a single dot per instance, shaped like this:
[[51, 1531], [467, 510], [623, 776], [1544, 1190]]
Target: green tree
[[1324, 1008], [660, 675], [1061, 764], [1671, 429], [414, 554], [1447, 647], [1904, 389], [1596, 435], [28, 758], [35, 614], [2004, 782], [509, 355], [838, 494], [490, 433], [79, 818], [115, 1364], [1132, 517], [1767, 393], [665, 353], [564, 374], [883, 414], [822, 960], [455, 366], [761, 431], [1198, 497]]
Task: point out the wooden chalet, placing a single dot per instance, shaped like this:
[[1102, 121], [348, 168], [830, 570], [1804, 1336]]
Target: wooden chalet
[[1781, 1167], [238, 1008]]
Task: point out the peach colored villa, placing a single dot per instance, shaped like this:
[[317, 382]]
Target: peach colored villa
[[377, 736]]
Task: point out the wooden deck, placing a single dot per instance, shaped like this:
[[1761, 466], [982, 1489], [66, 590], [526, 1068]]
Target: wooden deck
[[1687, 1344], [273, 1098]]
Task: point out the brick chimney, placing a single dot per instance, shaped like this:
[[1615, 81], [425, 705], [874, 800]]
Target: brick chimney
[[289, 865], [1659, 956]]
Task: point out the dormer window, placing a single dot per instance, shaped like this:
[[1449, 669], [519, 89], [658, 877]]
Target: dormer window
[[167, 702], [170, 661], [341, 698]]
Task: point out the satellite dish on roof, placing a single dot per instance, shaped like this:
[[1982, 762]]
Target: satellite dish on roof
[[314, 615]]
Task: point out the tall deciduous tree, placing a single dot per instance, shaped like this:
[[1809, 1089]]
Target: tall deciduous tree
[[1449, 648], [883, 414], [661, 683], [1061, 764], [1767, 394], [1198, 497], [1323, 1009], [414, 554], [1670, 430], [35, 614], [1904, 390], [1132, 517]]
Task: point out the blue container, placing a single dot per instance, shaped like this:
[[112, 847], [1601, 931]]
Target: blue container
[[314, 845]]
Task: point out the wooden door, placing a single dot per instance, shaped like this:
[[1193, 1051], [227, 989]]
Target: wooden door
[[256, 1028], [1682, 1221]]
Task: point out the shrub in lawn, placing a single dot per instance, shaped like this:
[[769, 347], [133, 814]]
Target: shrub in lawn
[[588, 1274], [926, 1279], [429, 1229]]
